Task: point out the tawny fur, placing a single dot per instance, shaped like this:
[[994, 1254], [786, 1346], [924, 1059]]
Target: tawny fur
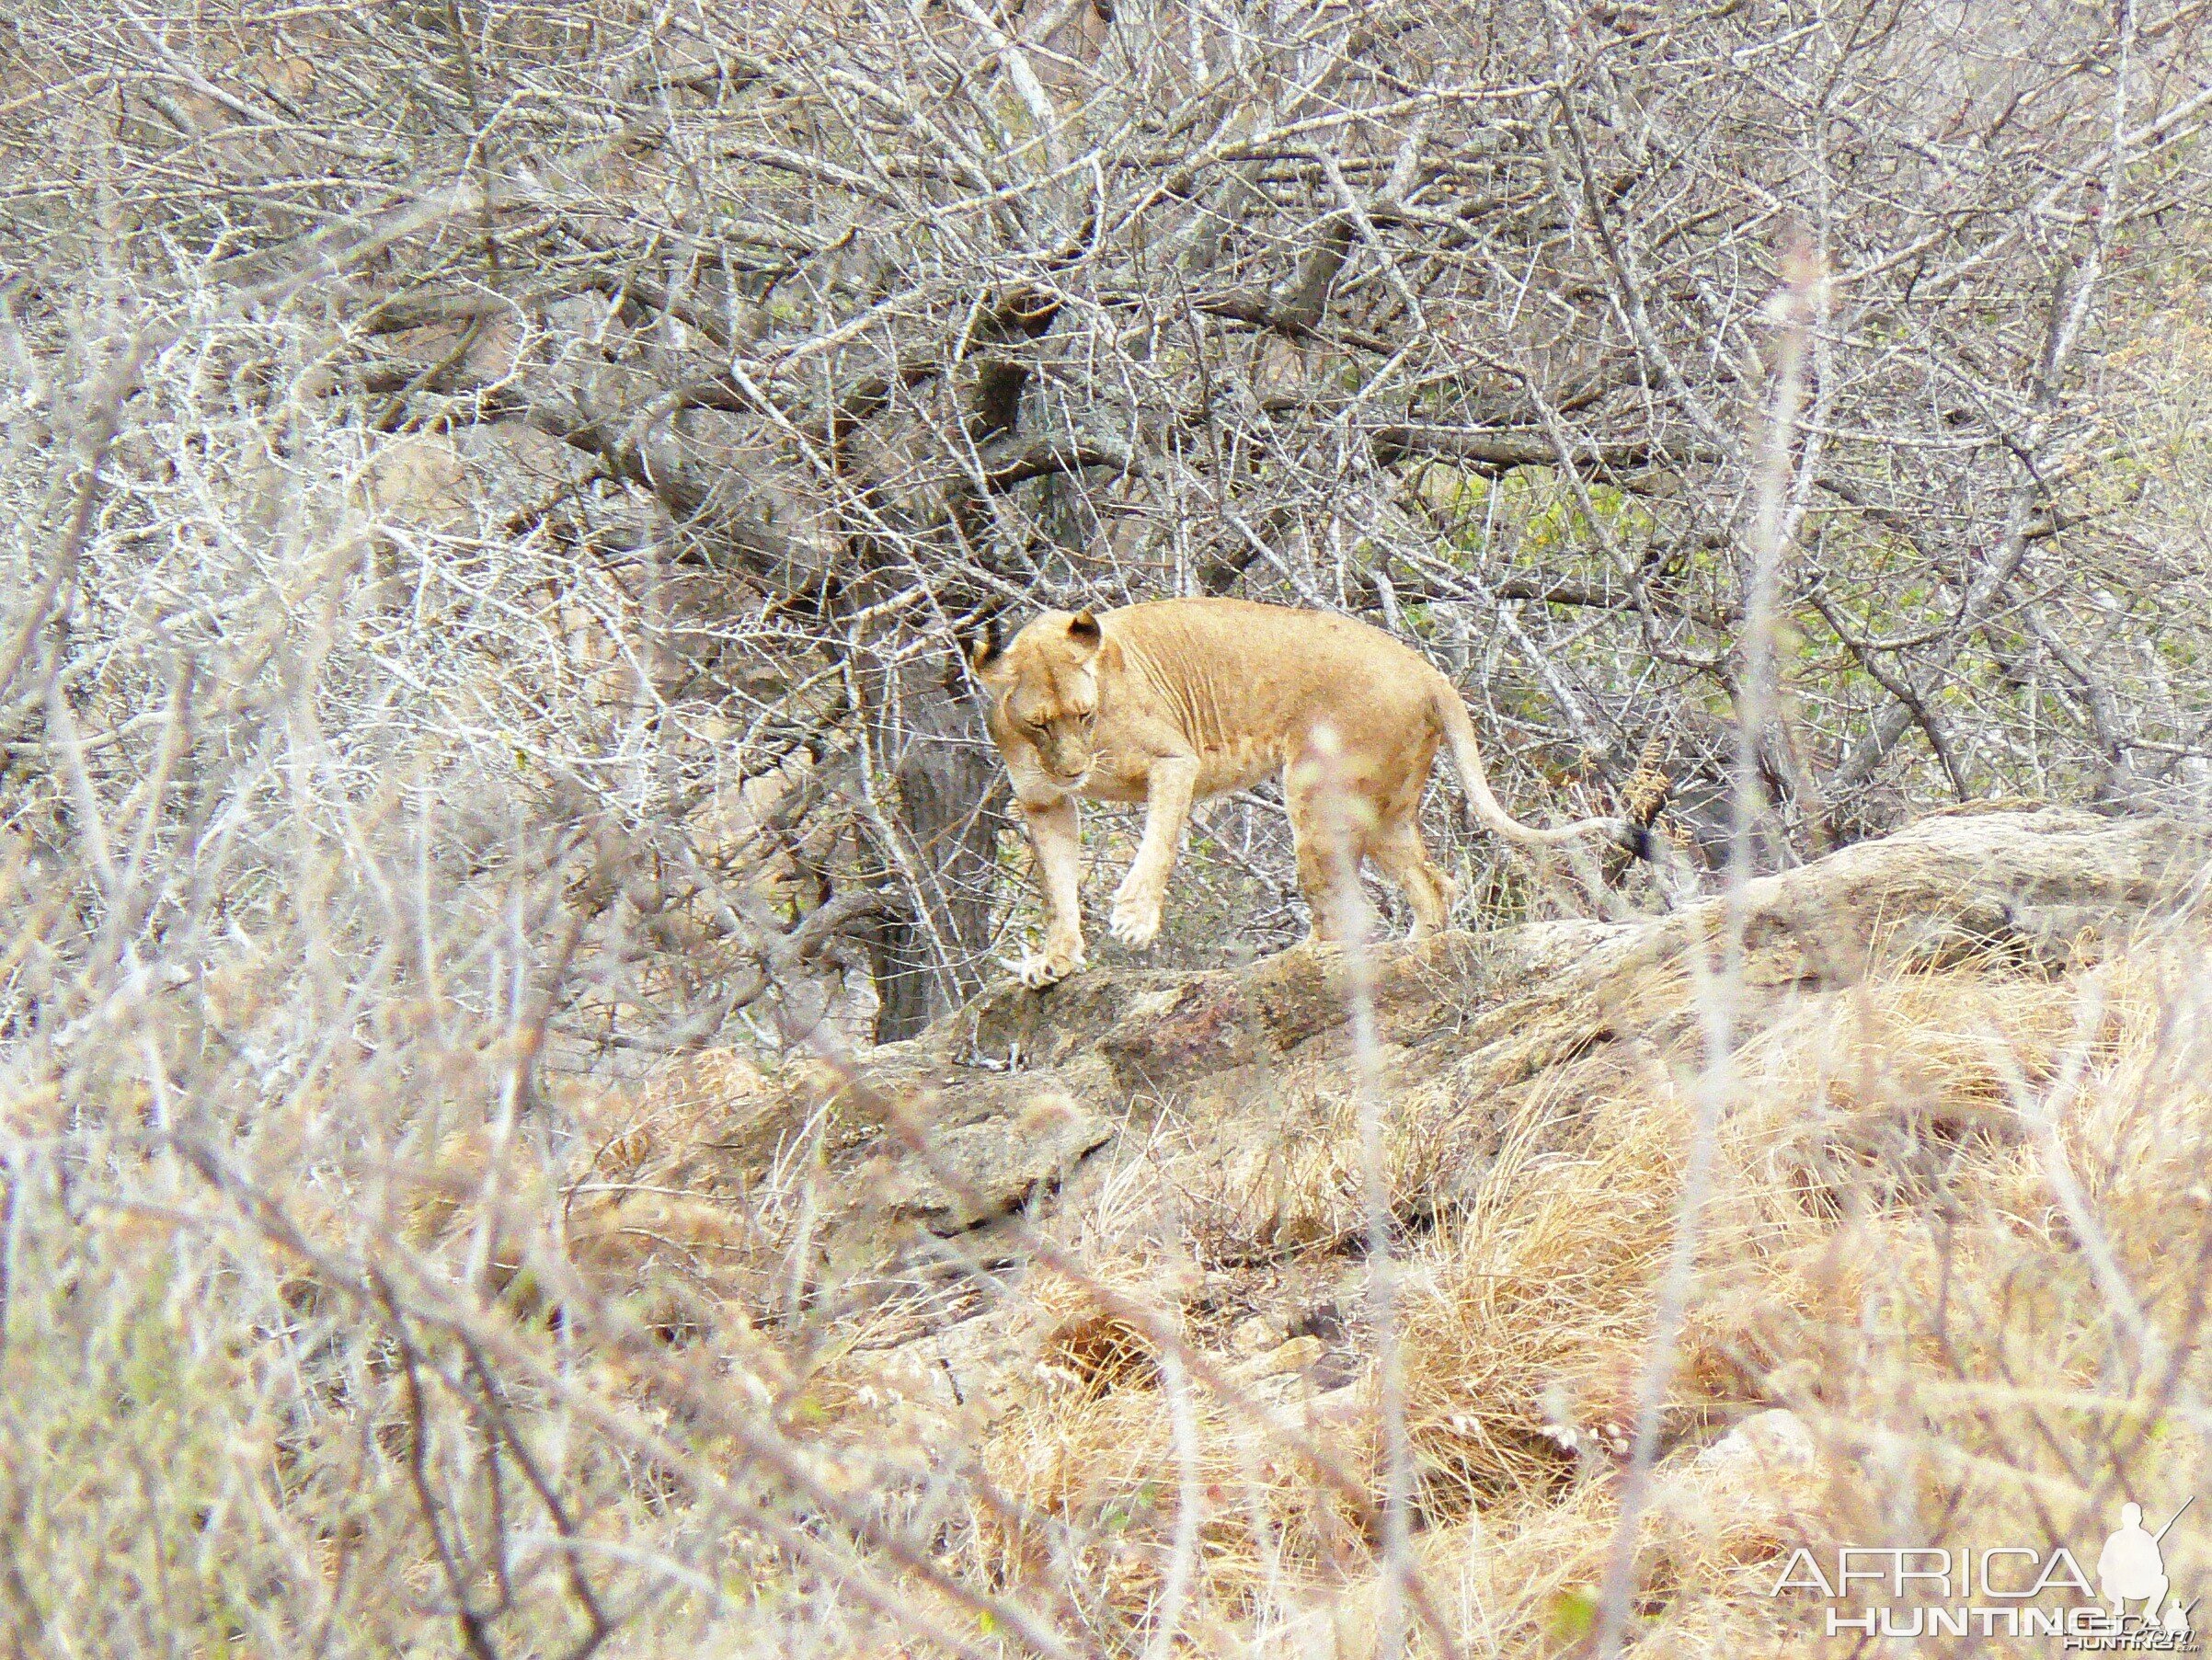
[[1175, 701]]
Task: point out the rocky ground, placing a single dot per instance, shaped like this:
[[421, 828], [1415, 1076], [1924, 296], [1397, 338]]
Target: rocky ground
[[1107, 1247]]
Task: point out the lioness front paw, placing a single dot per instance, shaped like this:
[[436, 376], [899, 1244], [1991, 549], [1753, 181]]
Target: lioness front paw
[[1136, 919], [1048, 968]]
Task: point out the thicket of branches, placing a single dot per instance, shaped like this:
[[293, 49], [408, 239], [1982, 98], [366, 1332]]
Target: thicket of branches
[[861, 323], [496, 488]]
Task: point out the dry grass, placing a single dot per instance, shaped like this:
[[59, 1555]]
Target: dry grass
[[661, 1365], [1884, 1256]]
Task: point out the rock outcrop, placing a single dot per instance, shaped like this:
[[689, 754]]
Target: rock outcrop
[[995, 1108], [1017, 1089], [991, 1238]]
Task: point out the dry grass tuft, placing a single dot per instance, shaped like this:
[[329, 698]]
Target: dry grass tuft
[[1882, 1255], [1187, 1414]]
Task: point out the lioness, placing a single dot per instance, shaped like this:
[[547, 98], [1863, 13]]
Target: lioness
[[1180, 700]]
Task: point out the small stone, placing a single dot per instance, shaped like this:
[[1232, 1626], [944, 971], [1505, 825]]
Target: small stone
[[1776, 1439], [1255, 1335], [1299, 1355]]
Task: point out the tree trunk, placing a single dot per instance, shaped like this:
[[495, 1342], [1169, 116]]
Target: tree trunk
[[947, 811]]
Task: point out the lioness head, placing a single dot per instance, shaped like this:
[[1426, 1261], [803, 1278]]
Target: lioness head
[[1044, 691]]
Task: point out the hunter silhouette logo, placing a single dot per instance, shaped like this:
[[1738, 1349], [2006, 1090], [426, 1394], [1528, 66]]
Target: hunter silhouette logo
[[2005, 1590], [2131, 1568]]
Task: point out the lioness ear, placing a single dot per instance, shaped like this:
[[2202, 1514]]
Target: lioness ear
[[983, 649], [1082, 628]]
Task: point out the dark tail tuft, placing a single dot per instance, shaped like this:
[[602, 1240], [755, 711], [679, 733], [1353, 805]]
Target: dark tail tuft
[[1645, 796]]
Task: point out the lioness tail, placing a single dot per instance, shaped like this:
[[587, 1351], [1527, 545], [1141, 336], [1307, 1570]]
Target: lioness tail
[[1459, 731]]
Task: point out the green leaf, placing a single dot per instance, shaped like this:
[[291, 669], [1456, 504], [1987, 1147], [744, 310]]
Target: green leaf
[[1574, 1613]]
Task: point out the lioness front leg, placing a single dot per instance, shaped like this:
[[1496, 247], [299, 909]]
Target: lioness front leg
[[1167, 795], [1054, 839]]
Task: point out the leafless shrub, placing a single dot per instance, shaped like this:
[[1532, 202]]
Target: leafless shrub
[[494, 491]]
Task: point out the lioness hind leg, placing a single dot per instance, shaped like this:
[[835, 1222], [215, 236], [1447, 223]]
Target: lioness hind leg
[[1398, 852], [1318, 836]]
